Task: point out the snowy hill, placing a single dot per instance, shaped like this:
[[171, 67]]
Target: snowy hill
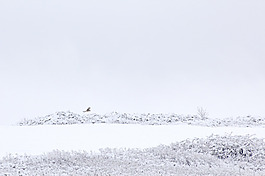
[[63, 118]]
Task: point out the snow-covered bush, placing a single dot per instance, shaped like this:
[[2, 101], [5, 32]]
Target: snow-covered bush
[[243, 150], [215, 155], [202, 113], [63, 118]]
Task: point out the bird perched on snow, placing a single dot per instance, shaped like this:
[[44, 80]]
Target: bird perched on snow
[[88, 109]]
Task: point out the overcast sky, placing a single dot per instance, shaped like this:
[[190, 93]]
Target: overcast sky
[[132, 56]]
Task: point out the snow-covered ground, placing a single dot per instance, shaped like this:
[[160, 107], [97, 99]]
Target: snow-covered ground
[[92, 137], [113, 145]]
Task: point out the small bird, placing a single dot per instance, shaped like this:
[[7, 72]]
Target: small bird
[[88, 109]]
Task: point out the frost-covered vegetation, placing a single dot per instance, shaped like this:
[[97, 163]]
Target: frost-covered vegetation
[[216, 155], [62, 118]]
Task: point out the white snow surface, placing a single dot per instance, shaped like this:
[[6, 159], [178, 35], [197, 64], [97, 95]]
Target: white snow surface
[[92, 137]]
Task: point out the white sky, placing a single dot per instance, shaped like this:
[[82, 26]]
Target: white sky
[[132, 56]]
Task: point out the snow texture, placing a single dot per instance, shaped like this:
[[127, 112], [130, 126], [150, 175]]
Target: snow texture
[[216, 156], [63, 118]]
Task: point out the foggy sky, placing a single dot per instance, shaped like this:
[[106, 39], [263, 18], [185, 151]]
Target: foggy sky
[[132, 56]]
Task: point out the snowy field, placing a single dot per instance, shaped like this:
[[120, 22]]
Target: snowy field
[[92, 137], [131, 149]]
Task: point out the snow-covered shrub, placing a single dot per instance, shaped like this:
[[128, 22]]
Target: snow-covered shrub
[[64, 118], [202, 113], [58, 118], [240, 149], [210, 156]]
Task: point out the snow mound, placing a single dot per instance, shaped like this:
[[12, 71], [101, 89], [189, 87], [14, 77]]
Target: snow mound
[[63, 118], [216, 155]]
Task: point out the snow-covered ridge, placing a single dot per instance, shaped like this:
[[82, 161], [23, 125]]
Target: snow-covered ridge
[[67, 117], [215, 155]]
